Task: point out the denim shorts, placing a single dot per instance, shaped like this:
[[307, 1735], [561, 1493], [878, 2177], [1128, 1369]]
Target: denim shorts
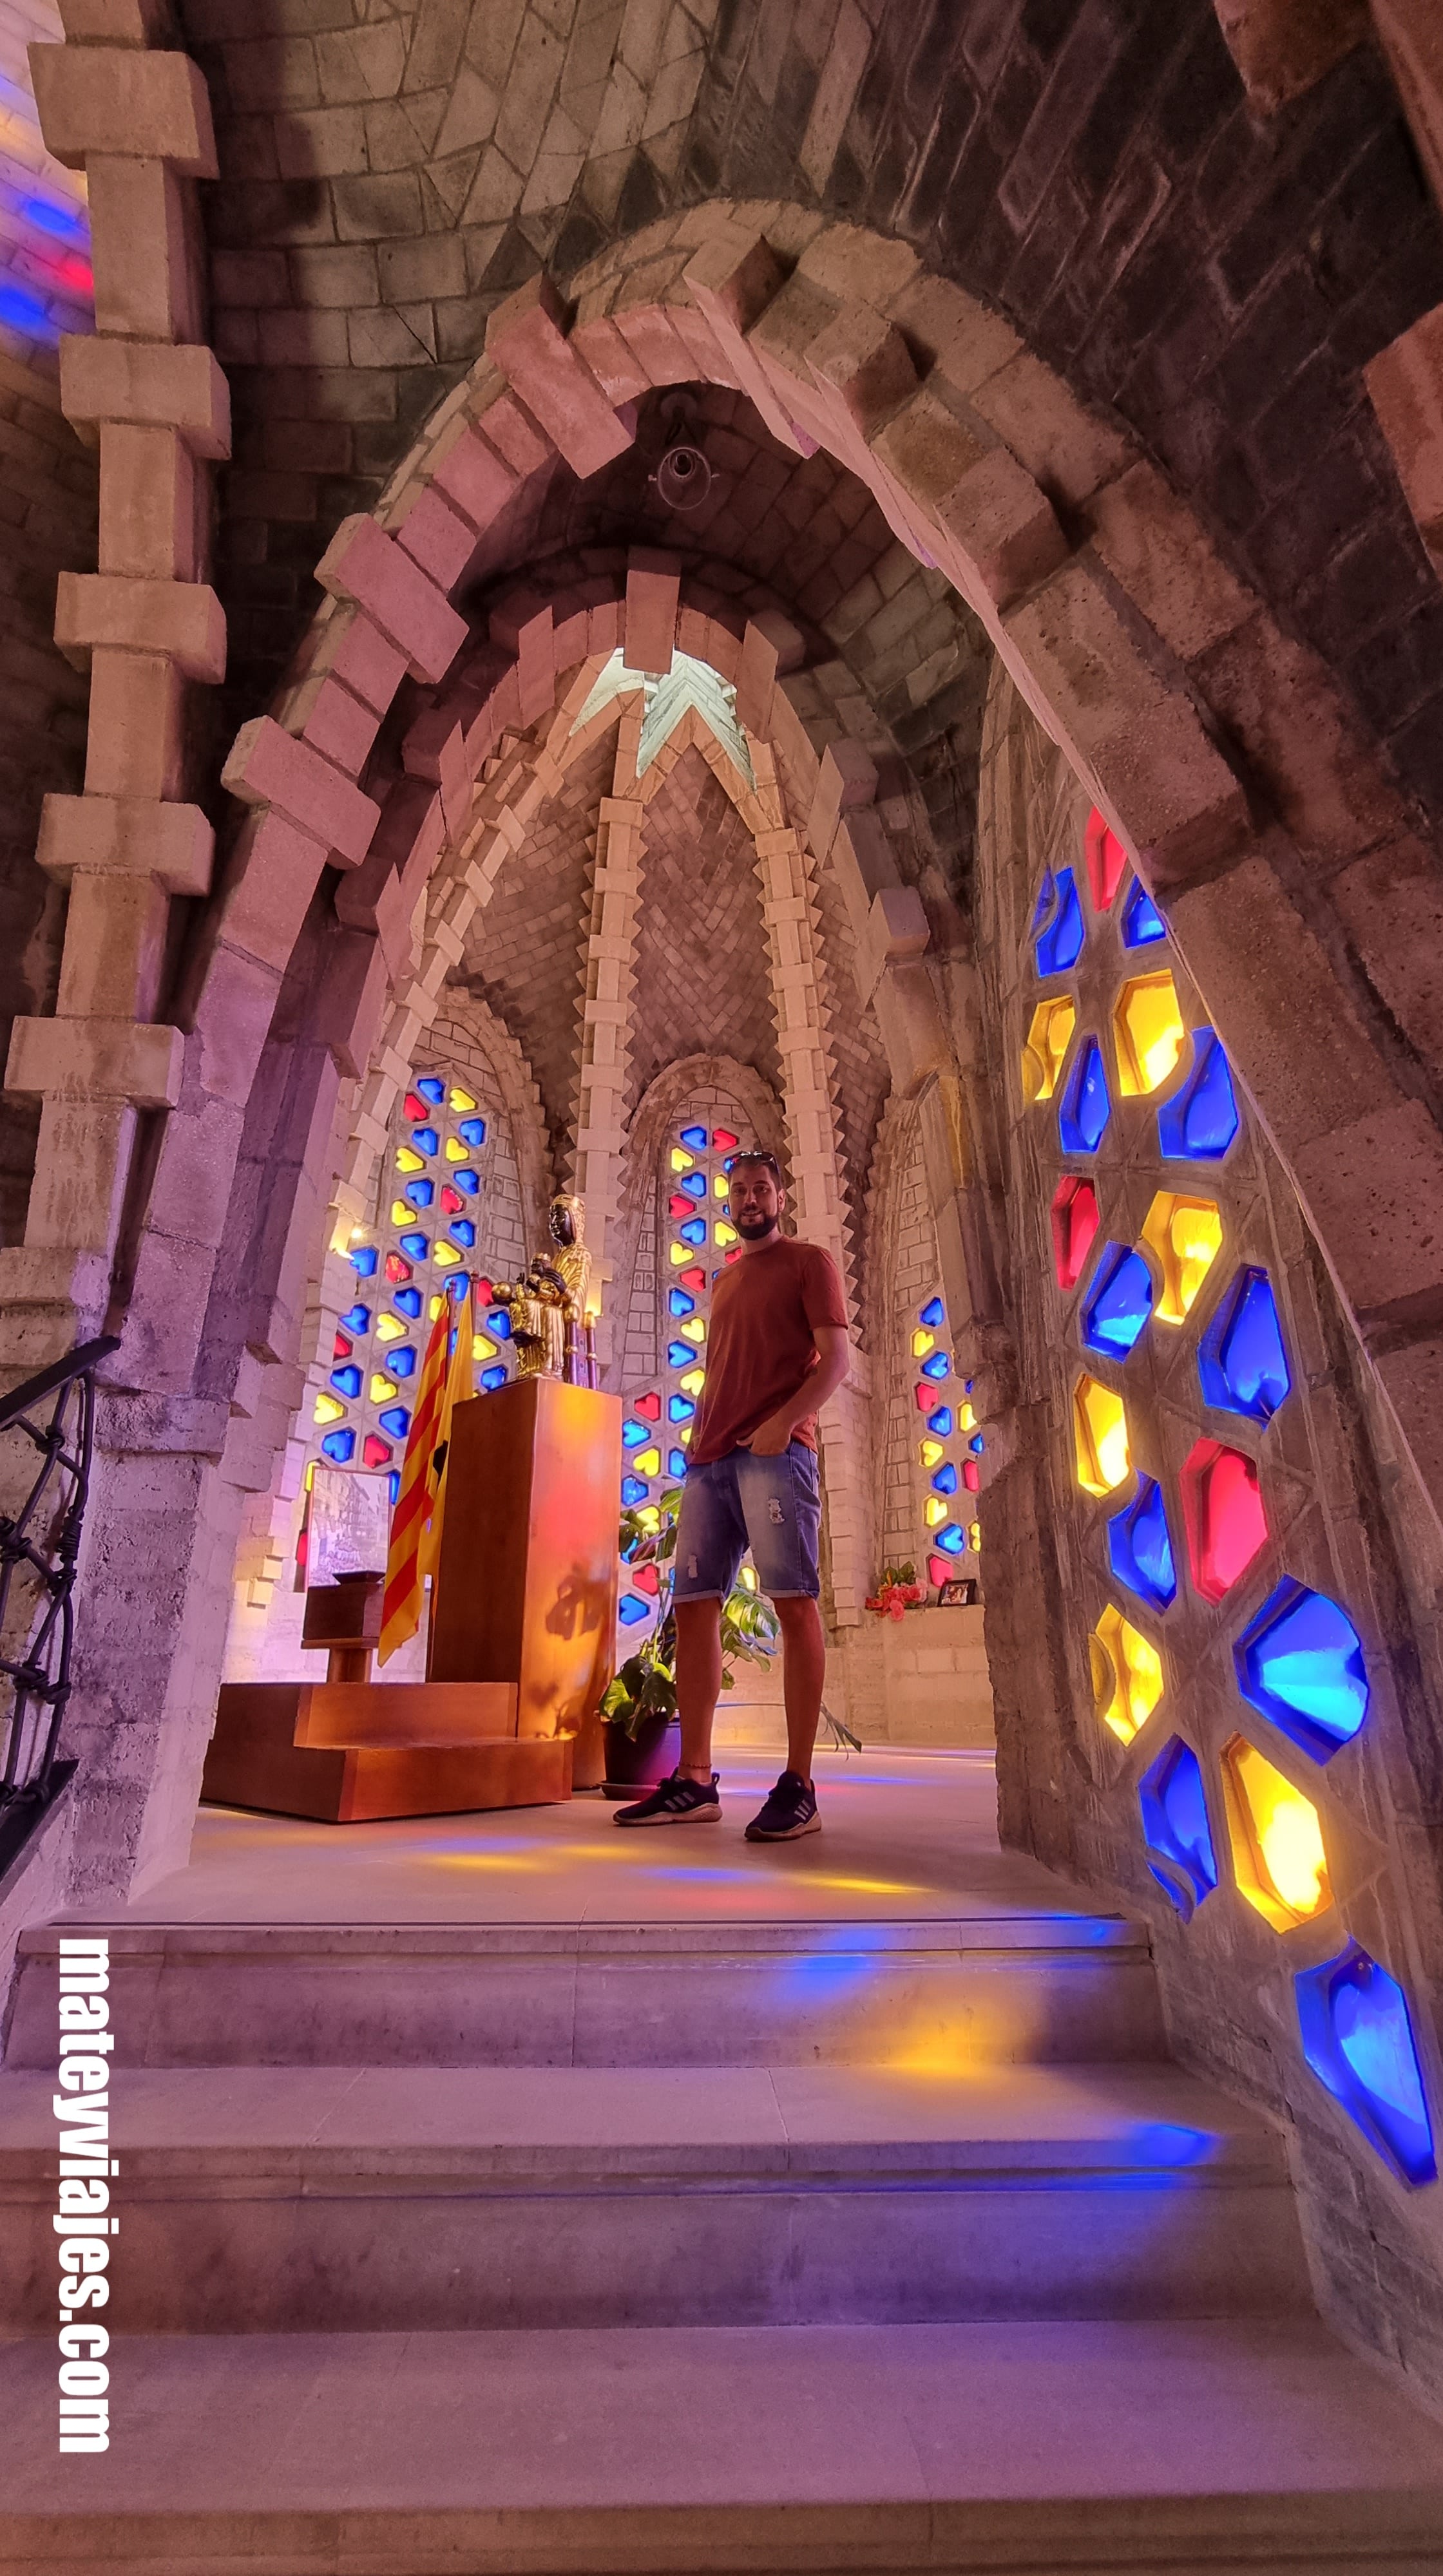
[[770, 1505]]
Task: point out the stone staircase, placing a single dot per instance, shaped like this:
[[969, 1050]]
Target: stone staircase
[[757, 2246]]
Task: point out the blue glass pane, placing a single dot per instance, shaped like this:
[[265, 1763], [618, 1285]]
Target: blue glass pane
[[630, 1608], [949, 1538], [696, 1138], [1059, 945], [432, 1088], [357, 1319], [408, 1301], [676, 1462], [472, 1132], [1301, 1662], [402, 1363], [1199, 1123], [694, 1184], [933, 1313], [1042, 907], [395, 1420], [941, 1421], [976, 1444], [393, 1485], [498, 1321], [416, 1245], [1358, 2039], [1085, 1106], [465, 1180], [492, 1377], [346, 1381], [634, 1489], [420, 1193], [679, 1408], [694, 1230], [635, 1435], [1119, 1303], [1139, 1547], [680, 1354], [1241, 1360], [1180, 1851], [678, 1303], [938, 1366], [339, 1447], [363, 1258], [425, 1139], [462, 1231], [1142, 923], [945, 1480]]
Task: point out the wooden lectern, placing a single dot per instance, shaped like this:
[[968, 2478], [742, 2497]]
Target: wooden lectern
[[523, 1626]]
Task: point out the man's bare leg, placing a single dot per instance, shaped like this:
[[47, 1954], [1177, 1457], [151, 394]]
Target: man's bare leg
[[804, 1672], [698, 1682]]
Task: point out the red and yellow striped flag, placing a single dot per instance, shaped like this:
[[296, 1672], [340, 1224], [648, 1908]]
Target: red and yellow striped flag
[[401, 1601], [460, 1383]]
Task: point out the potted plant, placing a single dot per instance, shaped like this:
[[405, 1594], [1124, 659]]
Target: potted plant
[[898, 1592], [643, 1739]]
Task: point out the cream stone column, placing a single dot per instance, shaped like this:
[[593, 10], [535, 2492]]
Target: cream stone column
[[145, 624], [609, 976], [789, 910]]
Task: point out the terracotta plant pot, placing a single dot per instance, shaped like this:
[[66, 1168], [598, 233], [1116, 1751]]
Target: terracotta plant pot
[[634, 1764]]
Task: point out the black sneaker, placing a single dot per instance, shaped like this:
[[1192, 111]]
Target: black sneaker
[[790, 1810], [677, 1801]]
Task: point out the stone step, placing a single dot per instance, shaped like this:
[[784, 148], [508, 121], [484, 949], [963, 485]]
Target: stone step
[[989, 1988], [386, 2199], [1194, 2448]]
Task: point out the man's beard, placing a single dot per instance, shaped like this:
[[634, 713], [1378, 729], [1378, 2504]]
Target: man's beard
[[755, 1229]]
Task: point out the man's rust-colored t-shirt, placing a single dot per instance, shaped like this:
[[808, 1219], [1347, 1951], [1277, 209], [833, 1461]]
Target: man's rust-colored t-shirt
[[760, 1346]]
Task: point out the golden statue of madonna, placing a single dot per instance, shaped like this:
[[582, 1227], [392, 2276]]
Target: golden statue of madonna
[[551, 1324]]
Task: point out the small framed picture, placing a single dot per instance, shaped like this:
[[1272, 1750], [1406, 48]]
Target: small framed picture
[[958, 1595]]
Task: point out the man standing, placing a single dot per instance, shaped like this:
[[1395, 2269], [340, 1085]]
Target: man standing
[[777, 1349]]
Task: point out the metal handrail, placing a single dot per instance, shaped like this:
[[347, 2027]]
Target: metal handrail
[[43, 1539]]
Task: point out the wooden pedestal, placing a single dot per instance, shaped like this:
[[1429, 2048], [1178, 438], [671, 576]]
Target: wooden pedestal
[[351, 1751], [526, 1588]]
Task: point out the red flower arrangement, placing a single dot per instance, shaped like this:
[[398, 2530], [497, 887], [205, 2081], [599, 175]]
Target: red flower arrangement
[[898, 1592]]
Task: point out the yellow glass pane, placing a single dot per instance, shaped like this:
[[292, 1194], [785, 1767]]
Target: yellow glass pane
[[445, 1256], [329, 1410], [681, 1160], [407, 1161], [1126, 1674], [693, 1330], [921, 1344], [684, 1435], [389, 1328], [931, 1452], [382, 1390], [720, 1184], [679, 1254], [461, 1103], [966, 1418], [725, 1233], [974, 1537], [1186, 1236], [456, 1152], [748, 1578], [434, 1309], [648, 1464], [1099, 1425], [1149, 1031], [649, 1516], [935, 1511], [1048, 1040], [402, 1212], [482, 1347], [1279, 1861], [694, 1381]]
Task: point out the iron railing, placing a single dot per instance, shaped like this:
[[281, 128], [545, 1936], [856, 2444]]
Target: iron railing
[[39, 1549]]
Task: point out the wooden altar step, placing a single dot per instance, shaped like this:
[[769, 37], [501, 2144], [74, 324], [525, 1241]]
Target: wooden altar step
[[348, 1753]]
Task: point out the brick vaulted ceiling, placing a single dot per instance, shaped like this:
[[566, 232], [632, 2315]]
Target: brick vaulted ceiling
[[1091, 166]]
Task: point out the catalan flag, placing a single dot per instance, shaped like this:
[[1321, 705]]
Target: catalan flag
[[401, 1601], [460, 1383]]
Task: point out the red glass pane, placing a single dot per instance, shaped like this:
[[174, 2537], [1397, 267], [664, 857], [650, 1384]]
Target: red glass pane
[[680, 1207], [970, 1477], [735, 1254], [481, 1291], [451, 1201], [694, 1279], [342, 1349], [649, 1407], [645, 1578], [1223, 1514], [1074, 1224], [940, 1570], [376, 1452], [723, 1140], [1106, 860], [416, 1108], [397, 1270]]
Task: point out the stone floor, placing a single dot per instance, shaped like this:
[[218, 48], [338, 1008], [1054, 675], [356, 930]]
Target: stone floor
[[904, 1835]]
